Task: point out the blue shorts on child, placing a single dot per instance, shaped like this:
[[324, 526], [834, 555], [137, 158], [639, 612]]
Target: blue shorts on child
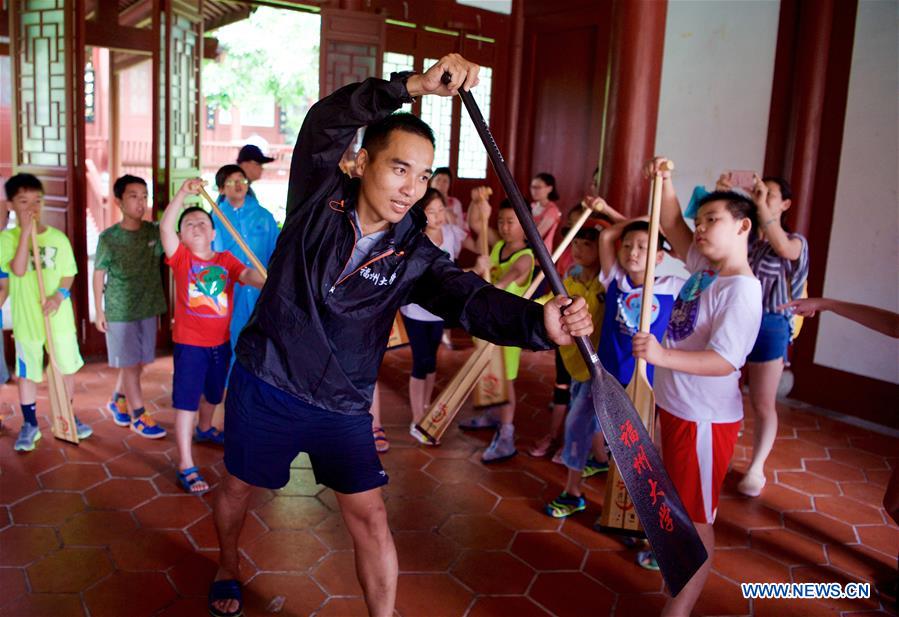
[[580, 426], [266, 428], [199, 372]]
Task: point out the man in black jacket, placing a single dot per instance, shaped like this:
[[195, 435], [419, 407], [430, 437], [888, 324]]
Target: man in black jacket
[[350, 254]]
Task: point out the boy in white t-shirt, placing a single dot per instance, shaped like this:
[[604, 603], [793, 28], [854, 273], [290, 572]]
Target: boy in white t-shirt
[[713, 327]]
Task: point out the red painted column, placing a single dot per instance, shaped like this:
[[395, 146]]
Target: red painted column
[[637, 44]]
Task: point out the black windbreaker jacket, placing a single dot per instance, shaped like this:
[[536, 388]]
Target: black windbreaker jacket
[[321, 337]]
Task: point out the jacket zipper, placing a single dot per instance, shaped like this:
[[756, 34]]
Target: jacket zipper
[[365, 265], [347, 262]]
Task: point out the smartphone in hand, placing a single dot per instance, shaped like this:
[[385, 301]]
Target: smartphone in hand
[[742, 179]]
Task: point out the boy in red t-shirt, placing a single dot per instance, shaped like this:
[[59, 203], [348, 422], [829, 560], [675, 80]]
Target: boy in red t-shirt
[[204, 284]]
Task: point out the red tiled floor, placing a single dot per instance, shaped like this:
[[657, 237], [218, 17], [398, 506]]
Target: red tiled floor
[[143, 593], [69, 570], [493, 572], [506, 607], [105, 525]]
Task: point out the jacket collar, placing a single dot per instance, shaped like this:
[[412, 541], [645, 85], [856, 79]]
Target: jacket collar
[[399, 235]]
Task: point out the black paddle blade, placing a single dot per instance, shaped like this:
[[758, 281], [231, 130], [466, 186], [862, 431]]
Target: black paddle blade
[[674, 540], [675, 543]]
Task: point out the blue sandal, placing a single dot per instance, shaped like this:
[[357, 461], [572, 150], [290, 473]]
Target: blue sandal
[[212, 434], [226, 589], [188, 483]]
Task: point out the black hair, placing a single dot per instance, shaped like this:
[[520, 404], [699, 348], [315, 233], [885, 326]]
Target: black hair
[[22, 182], [226, 170], [506, 204], [550, 180], [191, 209], [429, 196], [590, 234], [446, 171], [740, 207], [644, 226], [378, 133], [118, 188], [786, 192]]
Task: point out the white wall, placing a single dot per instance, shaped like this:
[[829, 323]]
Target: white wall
[[717, 73], [862, 260]]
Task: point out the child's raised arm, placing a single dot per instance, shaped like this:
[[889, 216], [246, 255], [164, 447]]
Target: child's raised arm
[[252, 277], [168, 231], [671, 218]]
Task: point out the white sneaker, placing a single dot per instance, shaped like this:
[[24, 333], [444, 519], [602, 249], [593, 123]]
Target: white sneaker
[[502, 447], [418, 436]]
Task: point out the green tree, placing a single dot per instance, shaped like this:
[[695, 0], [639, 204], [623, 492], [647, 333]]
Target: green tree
[[273, 53]]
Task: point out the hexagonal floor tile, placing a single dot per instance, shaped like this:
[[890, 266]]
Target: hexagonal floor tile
[[525, 515], [302, 483], [139, 465], [43, 604], [73, 476], [861, 562], [12, 582], [69, 570], [120, 494], [808, 483], [883, 538], [788, 547], [172, 511], [285, 512], [482, 531], [337, 574], [434, 595], [301, 596], [343, 607], [619, 570], [748, 513], [581, 594], [512, 484], [97, 528], [203, 531], [819, 527], [493, 572], [333, 533], [750, 566], [450, 470], [833, 470], [548, 551], [143, 593], [857, 458], [423, 551], [721, 597], [194, 572], [46, 508], [410, 483], [418, 514], [849, 510], [150, 549], [510, 606], [22, 545], [457, 498], [286, 550]]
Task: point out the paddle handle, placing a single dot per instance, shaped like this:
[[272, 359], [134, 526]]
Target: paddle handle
[[567, 240], [42, 290], [237, 237], [655, 209], [584, 345]]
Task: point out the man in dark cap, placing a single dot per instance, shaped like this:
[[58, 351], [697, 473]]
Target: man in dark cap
[[251, 160]]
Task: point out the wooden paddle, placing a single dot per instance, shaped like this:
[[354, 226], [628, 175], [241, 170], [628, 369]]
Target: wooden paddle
[[237, 237], [454, 395], [62, 415], [618, 512], [491, 388], [675, 543]]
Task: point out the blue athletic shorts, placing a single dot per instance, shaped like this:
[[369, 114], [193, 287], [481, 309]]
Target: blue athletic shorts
[[199, 371], [773, 339], [266, 428]]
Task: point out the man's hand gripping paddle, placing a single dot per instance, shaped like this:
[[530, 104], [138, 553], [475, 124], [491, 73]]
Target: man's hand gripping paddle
[[677, 547]]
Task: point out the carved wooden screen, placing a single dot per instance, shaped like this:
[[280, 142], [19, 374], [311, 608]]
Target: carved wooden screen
[[177, 142], [43, 106], [352, 48]]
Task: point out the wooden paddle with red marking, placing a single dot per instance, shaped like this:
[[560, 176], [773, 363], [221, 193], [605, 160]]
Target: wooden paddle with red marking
[[675, 543]]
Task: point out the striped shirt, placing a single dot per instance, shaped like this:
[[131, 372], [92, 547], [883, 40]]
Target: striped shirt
[[782, 279]]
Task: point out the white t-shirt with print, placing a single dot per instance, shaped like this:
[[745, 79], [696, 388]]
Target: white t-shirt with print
[[719, 313]]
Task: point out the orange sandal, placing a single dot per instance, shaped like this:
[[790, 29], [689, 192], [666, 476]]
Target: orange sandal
[[381, 443]]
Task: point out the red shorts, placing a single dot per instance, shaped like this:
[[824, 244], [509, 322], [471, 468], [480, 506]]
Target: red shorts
[[696, 455]]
